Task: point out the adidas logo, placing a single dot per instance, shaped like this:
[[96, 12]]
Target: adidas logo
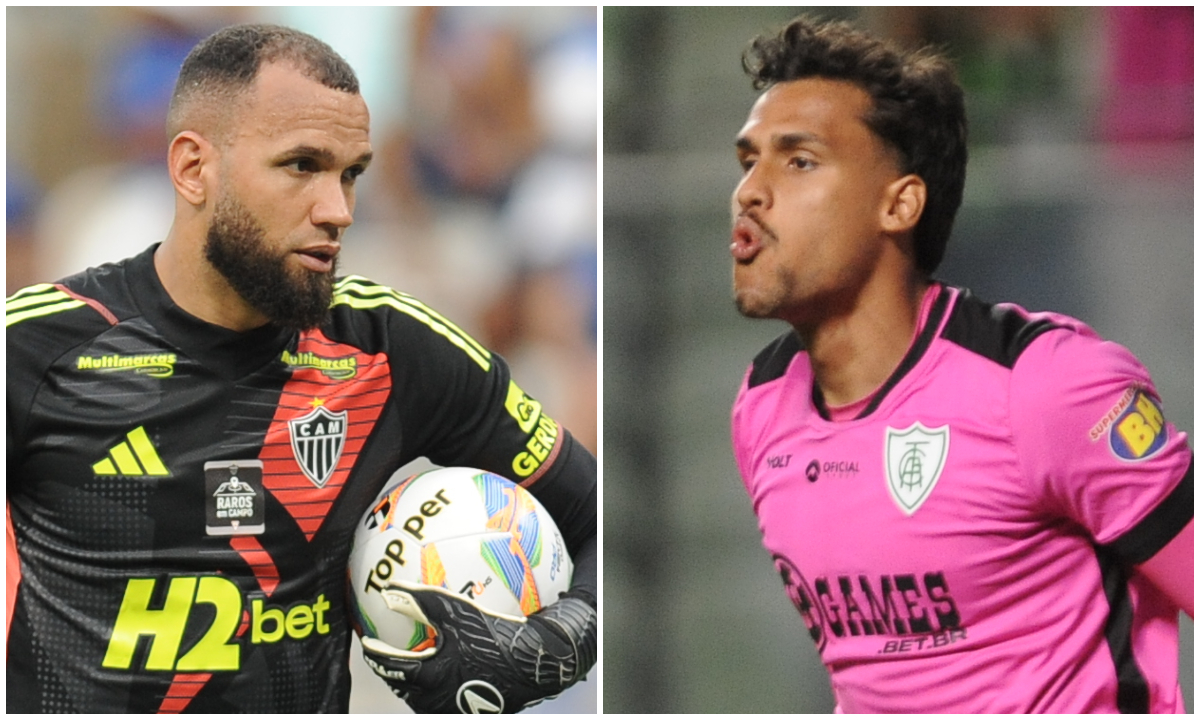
[[134, 457]]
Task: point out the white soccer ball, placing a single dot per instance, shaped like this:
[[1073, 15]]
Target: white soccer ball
[[466, 530]]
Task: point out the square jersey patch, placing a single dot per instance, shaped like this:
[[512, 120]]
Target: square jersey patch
[[234, 497]]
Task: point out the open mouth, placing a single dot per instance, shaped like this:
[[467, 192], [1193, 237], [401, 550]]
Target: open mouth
[[745, 240], [318, 259]]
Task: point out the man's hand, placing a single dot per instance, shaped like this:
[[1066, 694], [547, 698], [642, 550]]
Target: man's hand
[[483, 662]]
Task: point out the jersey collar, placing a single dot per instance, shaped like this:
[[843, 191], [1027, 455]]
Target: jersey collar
[[937, 314], [229, 353]]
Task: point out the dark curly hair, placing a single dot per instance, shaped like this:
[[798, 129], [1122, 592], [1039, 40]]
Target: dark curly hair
[[917, 108], [227, 62]]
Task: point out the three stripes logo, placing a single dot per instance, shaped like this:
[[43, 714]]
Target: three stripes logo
[[134, 456], [362, 294], [36, 301], [47, 299]]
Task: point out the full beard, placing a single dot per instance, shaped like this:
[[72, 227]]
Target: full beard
[[236, 246]]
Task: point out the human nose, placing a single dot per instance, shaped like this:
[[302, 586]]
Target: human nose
[[334, 205], [753, 191]]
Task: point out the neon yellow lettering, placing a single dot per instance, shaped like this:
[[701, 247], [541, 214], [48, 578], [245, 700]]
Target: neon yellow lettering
[[215, 651], [1150, 412], [319, 608], [259, 617], [524, 409], [165, 626], [1137, 434], [299, 622]]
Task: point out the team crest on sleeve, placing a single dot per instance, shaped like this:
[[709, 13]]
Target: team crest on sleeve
[[914, 458], [1140, 430], [317, 442]]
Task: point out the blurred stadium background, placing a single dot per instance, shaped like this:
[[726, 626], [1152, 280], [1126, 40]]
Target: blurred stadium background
[[1079, 199], [481, 200]]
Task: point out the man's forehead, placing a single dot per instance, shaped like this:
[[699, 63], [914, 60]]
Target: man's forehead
[[284, 99], [815, 106]]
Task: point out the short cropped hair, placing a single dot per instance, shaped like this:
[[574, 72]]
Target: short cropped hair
[[917, 108], [227, 62]]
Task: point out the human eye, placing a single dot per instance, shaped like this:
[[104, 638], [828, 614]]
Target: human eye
[[746, 162], [302, 165], [801, 162], [352, 173]]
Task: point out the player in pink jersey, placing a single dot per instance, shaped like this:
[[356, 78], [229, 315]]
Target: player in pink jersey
[[974, 508]]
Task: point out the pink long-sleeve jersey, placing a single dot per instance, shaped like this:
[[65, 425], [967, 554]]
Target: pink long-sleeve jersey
[[965, 542]]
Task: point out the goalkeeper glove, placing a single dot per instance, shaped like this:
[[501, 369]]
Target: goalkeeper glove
[[484, 662]]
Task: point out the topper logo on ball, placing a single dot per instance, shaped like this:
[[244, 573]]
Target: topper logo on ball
[[415, 524]]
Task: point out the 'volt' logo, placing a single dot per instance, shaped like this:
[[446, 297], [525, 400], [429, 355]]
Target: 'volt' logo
[[217, 648]]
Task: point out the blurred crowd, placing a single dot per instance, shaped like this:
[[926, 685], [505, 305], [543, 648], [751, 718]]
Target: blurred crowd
[[481, 201]]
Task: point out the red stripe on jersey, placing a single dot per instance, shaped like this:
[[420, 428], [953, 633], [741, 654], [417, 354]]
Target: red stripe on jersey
[[361, 396], [93, 304], [183, 688], [12, 572], [259, 561], [528, 482]]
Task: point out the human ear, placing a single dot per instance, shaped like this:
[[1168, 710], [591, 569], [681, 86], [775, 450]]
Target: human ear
[[904, 202], [187, 157]]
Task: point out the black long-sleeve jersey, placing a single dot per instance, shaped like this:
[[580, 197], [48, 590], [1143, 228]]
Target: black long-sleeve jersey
[[137, 581]]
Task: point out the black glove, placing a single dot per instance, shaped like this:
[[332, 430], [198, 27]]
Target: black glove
[[484, 662]]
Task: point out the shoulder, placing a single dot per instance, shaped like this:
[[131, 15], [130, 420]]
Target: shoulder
[[65, 312], [45, 322], [1060, 367], [401, 318], [774, 379], [1074, 365], [1001, 332], [1091, 433], [97, 297]]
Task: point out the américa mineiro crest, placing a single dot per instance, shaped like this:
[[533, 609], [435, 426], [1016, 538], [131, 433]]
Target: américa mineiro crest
[[317, 442], [914, 458]]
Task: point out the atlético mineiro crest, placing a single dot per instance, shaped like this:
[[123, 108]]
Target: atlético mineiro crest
[[317, 442], [914, 458]]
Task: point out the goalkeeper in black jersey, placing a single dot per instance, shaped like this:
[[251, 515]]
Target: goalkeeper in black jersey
[[226, 369]]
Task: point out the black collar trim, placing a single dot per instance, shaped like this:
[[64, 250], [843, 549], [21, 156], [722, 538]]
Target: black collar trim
[[936, 314]]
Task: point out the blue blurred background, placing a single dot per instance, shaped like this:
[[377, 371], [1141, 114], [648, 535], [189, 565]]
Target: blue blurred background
[[1079, 199]]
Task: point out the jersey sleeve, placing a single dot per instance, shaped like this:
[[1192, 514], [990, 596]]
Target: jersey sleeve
[[463, 408], [1090, 431], [42, 323], [753, 408], [738, 432]]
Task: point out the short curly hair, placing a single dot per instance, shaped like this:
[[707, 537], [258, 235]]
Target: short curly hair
[[917, 108], [227, 62]]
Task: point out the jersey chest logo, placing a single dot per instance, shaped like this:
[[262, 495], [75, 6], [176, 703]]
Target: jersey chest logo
[[317, 442], [914, 458]]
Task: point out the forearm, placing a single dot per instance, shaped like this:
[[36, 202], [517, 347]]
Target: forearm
[[568, 492], [583, 584]]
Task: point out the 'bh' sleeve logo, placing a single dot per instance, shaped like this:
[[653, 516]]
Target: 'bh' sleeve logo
[[317, 441]]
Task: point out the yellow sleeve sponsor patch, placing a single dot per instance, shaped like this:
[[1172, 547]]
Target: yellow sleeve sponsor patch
[[542, 430]]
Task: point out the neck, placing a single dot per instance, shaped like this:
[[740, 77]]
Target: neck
[[196, 286], [855, 351]]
